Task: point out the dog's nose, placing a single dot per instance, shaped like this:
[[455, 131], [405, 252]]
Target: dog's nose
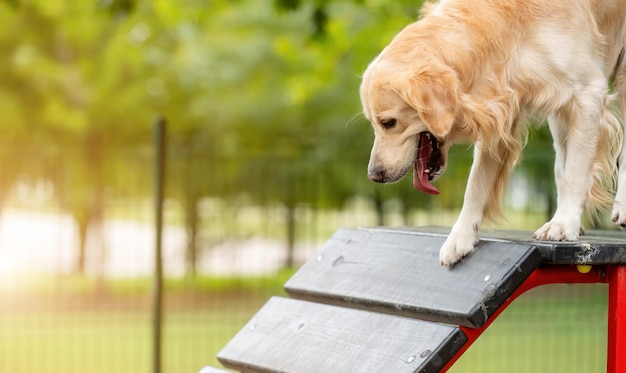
[[377, 176]]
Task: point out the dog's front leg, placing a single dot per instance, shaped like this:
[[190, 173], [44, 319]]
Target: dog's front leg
[[480, 188]]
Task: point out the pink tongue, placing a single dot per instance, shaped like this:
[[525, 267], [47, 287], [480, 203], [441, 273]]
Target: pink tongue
[[420, 178]]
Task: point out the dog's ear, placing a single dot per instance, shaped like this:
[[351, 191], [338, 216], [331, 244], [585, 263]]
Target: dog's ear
[[433, 93]]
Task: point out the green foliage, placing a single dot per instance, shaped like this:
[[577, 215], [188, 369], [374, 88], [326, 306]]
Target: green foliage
[[261, 98]]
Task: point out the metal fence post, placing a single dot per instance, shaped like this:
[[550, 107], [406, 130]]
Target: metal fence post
[[157, 289]]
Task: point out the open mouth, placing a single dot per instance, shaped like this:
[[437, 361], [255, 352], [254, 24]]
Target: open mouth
[[428, 163]]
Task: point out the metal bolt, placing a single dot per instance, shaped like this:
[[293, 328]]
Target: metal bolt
[[488, 277], [425, 353], [410, 359]]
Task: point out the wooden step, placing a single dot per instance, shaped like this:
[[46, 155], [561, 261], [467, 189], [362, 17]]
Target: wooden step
[[289, 335], [399, 273]]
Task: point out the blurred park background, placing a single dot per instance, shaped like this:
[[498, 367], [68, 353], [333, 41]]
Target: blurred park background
[[266, 158]]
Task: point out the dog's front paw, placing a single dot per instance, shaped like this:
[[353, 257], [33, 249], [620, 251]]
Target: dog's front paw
[[618, 215], [459, 244], [556, 230]]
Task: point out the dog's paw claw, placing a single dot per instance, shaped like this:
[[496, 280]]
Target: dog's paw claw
[[558, 231], [618, 215], [457, 247]]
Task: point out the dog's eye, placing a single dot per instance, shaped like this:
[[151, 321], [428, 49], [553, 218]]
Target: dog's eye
[[388, 123]]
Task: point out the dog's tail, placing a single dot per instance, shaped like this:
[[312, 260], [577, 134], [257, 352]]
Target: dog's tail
[[606, 159]]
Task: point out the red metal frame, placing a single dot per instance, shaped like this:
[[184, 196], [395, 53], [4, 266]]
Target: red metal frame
[[616, 354], [615, 276]]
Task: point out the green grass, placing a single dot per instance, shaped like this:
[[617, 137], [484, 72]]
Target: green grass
[[74, 324], [556, 329], [117, 341], [74, 342]]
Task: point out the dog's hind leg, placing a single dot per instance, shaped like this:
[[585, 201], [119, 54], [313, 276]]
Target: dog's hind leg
[[619, 206], [576, 135], [564, 225]]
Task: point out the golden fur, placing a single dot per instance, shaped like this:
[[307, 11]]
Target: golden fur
[[469, 71]]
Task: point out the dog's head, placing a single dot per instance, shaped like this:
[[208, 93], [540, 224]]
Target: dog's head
[[413, 106]]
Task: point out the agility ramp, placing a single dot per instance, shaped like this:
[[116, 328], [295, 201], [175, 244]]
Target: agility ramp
[[377, 300]]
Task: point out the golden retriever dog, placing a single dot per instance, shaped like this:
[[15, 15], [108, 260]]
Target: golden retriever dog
[[469, 71]]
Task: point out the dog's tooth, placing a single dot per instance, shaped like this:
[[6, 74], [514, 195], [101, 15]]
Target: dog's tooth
[[427, 171]]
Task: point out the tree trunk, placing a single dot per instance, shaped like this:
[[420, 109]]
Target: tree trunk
[[191, 223], [406, 216], [191, 198], [379, 206], [291, 235], [83, 224], [550, 206], [290, 217]]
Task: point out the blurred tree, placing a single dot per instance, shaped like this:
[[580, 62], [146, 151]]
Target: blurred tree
[[74, 66], [261, 97]]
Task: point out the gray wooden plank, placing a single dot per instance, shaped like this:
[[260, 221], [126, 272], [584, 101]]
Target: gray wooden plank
[[399, 273], [289, 335], [597, 247]]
